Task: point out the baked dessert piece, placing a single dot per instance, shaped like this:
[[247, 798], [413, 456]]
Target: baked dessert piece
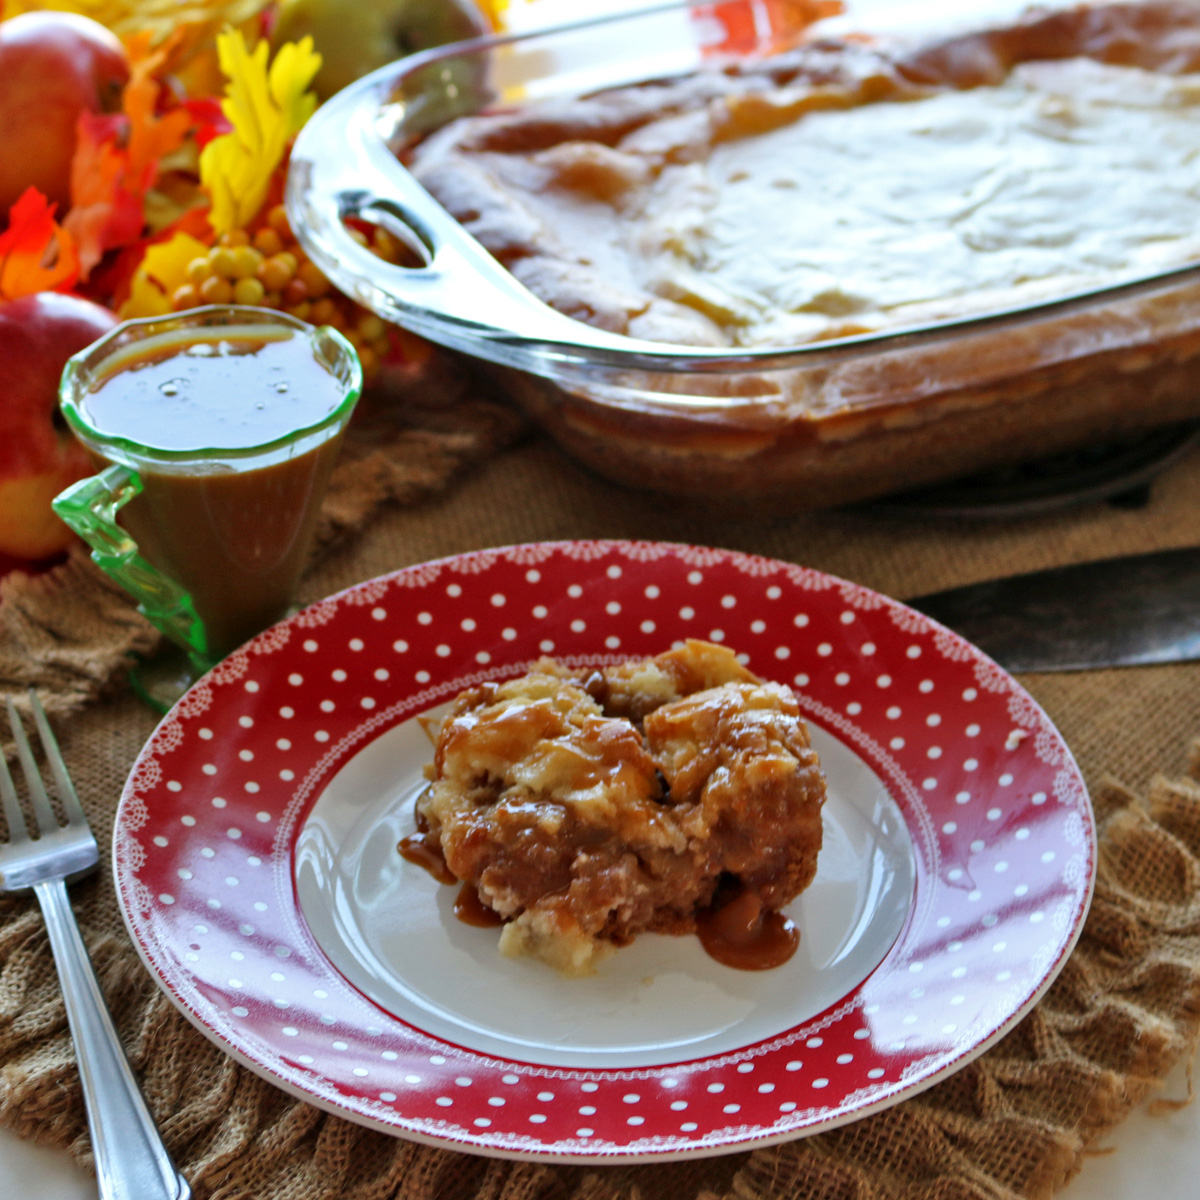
[[588, 807]]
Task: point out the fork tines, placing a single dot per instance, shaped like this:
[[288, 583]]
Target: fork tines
[[38, 797]]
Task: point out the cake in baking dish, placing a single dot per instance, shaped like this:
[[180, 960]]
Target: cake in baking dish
[[586, 807], [847, 187], [858, 186]]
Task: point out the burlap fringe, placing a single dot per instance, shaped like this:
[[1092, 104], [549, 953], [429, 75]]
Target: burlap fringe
[[73, 634], [69, 633], [1013, 1125]]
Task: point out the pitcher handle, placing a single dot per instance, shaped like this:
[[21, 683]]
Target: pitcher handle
[[90, 508]]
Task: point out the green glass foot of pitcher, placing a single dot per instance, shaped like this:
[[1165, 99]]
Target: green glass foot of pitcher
[[160, 680]]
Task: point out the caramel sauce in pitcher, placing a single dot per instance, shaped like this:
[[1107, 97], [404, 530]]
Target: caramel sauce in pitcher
[[234, 535]]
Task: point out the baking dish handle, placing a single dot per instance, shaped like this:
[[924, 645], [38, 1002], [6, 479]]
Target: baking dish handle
[[342, 168]]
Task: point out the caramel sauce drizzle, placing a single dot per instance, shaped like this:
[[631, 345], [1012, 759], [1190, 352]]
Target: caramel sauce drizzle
[[417, 849], [471, 910]]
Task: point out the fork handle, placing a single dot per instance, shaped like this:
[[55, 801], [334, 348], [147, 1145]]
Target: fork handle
[[131, 1160]]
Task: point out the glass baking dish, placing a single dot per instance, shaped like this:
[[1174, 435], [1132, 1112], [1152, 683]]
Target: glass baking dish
[[747, 431]]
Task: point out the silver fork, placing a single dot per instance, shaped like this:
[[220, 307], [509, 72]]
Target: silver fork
[[131, 1161]]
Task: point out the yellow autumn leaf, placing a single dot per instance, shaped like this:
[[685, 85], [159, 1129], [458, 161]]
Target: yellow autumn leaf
[[493, 10], [163, 269], [266, 108]]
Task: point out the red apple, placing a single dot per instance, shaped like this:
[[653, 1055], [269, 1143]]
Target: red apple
[[53, 66], [38, 457]]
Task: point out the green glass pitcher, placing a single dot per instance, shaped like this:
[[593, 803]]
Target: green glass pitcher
[[215, 432]]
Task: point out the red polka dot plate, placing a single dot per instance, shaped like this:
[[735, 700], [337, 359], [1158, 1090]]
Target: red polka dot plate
[[257, 871]]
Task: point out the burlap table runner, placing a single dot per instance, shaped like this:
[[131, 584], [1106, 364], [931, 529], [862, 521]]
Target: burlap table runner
[[1016, 1123]]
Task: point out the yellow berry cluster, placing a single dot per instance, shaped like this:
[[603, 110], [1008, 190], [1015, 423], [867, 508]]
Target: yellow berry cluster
[[266, 267]]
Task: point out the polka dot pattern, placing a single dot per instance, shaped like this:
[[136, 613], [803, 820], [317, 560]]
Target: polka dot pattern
[[996, 810]]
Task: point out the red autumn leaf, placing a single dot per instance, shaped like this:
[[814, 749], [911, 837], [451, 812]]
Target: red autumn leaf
[[103, 213], [36, 253], [110, 283], [209, 120]]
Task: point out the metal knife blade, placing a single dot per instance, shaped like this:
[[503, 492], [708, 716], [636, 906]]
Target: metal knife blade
[[1128, 611]]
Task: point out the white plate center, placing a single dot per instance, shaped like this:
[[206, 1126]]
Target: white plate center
[[390, 929]]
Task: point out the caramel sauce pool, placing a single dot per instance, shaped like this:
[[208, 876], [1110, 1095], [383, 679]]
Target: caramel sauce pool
[[745, 935], [213, 388]]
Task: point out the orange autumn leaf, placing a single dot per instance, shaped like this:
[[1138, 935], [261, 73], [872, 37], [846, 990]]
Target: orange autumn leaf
[[116, 161], [151, 137], [103, 213], [780, 23], [36, 253]]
